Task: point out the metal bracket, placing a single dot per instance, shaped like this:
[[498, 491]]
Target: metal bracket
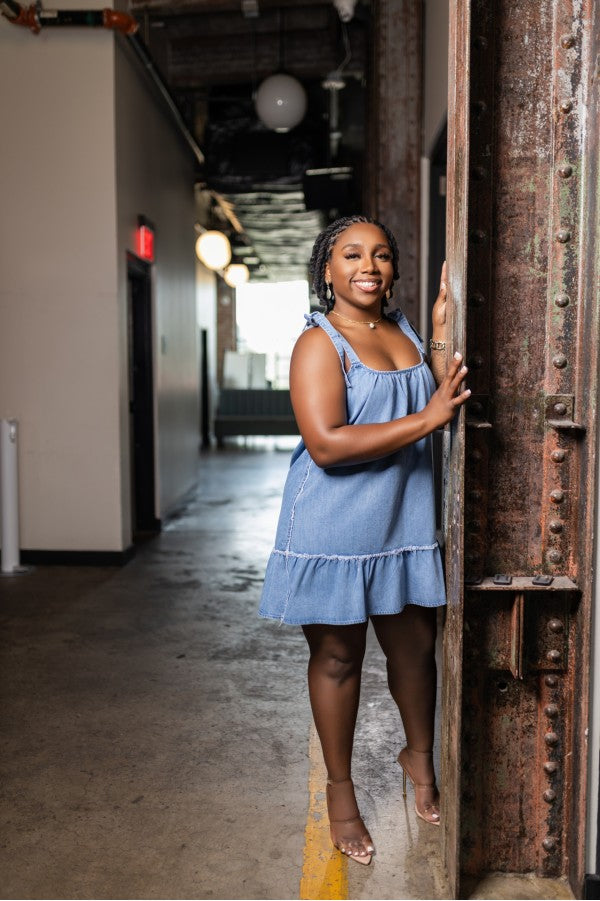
[[502, 579], [559, 414]]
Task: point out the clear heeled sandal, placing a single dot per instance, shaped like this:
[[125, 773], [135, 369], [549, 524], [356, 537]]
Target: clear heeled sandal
[[344, 844], [430, 810]]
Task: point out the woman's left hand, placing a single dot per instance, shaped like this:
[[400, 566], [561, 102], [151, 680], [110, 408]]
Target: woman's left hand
[[438, 316]]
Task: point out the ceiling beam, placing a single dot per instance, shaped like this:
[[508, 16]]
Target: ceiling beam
[[179, 7]]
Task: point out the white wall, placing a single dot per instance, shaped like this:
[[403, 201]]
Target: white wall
[[77, 121], [59, 359], [155, 177]]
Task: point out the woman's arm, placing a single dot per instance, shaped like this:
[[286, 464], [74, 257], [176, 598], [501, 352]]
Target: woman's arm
[[438, 317], [318, 394]]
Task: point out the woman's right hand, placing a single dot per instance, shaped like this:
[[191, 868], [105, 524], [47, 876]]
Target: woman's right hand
[[444, 404]]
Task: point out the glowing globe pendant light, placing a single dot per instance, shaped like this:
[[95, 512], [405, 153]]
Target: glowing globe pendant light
[[280, 102], [236, 274], [213, 249]]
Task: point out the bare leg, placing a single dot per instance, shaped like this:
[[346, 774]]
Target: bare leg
[[408, 642], [336, 655]]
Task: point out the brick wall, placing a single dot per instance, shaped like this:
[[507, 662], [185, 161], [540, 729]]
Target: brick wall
[[226, 331]]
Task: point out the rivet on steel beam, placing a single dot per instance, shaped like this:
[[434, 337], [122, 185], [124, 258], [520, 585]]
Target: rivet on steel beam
[[474, 496], [473, 526], [475, 456], [557, 496], [475, 362], [555, 526], [563, 235], [565, 171], [551, 681], [560, 361], [549, 795], [480, 41], [562, 300], [566, 106], [555, 625], [550, 767], [478, 236], [476, 300], [567, 41], [554, 557], [551, 711], [476, 407], [549, 843], [553, 656], [551, 738], [479, 173], [560, 409], [558, 456], [480, 107]]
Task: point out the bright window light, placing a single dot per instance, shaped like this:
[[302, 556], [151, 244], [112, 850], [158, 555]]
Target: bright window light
[[270, 316]]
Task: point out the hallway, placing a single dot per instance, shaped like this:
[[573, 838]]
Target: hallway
[[157, 737]]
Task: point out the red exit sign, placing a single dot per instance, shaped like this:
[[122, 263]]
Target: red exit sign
[[144, 240]]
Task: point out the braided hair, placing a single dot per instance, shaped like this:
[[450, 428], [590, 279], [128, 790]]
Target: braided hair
[[322, 253]]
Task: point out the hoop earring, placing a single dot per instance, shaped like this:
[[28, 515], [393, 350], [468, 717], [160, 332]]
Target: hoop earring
[[389, 294]]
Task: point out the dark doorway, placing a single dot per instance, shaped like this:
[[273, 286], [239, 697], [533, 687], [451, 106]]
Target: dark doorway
[[436, 256], [141, 398], [204, 391], [437, 217]]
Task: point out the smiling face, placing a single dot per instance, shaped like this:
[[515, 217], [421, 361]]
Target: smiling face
[[360, 267]]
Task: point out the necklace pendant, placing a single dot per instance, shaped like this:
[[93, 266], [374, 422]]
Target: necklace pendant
[[371, 325]]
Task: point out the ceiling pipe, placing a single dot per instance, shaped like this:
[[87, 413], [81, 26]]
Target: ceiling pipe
[[146, 60], [35, 18]]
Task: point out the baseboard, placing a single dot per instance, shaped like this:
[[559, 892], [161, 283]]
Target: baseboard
[[77, 558], [591, 887]]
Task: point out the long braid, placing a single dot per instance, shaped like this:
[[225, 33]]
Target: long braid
[[322, 252]]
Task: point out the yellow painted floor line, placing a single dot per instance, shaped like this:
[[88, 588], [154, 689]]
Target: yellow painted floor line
[[325, 870]]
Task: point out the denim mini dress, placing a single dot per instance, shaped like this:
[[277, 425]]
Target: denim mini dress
[[358, 540]]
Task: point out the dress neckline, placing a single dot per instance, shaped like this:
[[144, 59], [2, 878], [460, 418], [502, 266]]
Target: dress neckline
[[355, 359]]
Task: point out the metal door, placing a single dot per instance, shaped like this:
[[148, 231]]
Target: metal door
[[523, 256]]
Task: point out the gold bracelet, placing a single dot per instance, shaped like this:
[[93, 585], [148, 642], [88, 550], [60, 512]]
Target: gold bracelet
[[437, 345]]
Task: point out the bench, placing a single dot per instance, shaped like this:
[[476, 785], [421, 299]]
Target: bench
[[254, 411]]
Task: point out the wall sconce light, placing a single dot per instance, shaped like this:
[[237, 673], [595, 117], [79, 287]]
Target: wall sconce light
[[213, 249], [237, 274], [280, 102]]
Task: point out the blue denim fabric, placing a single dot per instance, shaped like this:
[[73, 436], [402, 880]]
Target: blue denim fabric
[[357, 541]]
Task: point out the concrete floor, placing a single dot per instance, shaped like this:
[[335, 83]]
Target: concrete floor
[[156, 733]]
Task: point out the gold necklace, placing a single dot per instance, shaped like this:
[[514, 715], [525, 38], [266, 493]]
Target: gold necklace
[[357, 321]]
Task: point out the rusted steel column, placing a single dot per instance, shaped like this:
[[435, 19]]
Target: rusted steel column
[[526, 129], [394, 136], [454, 437]]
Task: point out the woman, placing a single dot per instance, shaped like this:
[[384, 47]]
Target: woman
[[356, 535]]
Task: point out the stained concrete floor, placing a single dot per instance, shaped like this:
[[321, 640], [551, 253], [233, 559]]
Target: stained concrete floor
[[156, 732]]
